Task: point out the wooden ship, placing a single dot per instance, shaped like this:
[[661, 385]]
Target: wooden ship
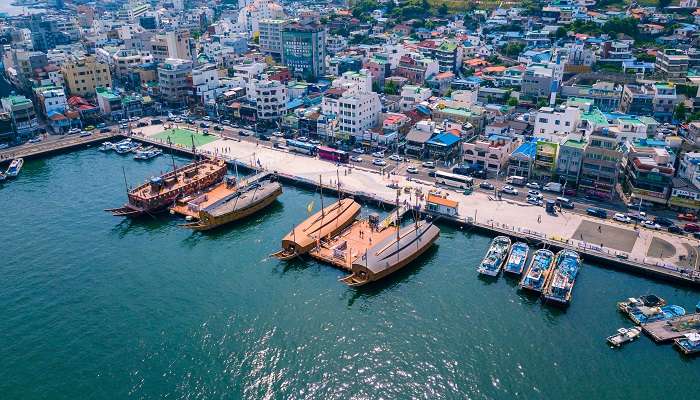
[[161, 192], [228, 201]]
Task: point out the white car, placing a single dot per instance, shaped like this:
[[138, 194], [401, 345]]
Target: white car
[[34, 140], [73, 131], [303, 139], [534, 193], [207, 118], [534, 201], [356, 158], [533, 185], [313, 141], [395, 157], [378, 154], [620, 217], [428, 164], [509, 190], [412, 170], [379, 162], [358, 150], [651, 225], [278, 134]]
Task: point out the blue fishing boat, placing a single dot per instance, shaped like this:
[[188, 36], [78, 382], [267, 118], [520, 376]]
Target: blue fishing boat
[[560, 288], [538, 272], [517, 258], [689, 343], [495, 257], [645, 315]]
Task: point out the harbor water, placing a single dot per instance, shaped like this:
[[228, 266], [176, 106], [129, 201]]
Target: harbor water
[[98, 307]]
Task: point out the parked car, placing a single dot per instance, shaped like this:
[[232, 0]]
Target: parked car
[[570, 192], [563, 202], [509, 190], [134, 119], [205, 131], [663, 221], [378, 154], [123, 126], [486, 185], [303, 139], [141, 124], [675, 229], [34, 140], [226, 122], [379, 162], [428, 164], [203, 125], [534, 193], [620, 217], [207, 118], [356, 158], [637, 216], [597, 212], [277, 134], [156, 121], [412, 170], [651, 225], [218, 128], [73, 131], [264, 138], [89, 128], [688, 217], [100, 125], [105, 130], [395, 157], [533, 185], [85, 133], [534, 200], [691, 228], [314, 142], [358, 150]]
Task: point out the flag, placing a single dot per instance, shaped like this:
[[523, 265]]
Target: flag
[[310, 207]]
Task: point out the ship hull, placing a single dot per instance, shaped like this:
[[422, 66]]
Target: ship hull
[[212, 222]]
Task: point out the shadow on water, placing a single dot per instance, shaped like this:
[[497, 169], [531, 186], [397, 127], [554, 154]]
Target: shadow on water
[[404, 274], [148, 223]]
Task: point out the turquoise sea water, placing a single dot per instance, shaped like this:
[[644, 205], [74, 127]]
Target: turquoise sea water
[[98, 307]]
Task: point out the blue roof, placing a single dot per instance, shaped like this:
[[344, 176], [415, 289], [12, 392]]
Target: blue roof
[[444, 139], [298, 102], [528, 149]]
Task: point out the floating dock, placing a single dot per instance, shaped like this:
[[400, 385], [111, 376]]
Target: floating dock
[[667, 330]]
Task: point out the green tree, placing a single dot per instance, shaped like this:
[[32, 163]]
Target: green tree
[[628, 26], [513, 49], [561, 32], [391, 88], [442, 9], [680, 112], [512, 102]]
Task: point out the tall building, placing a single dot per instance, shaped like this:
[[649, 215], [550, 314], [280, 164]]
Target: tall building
[[600, 165], [171, 44], [304, 50], [205, 83], [271, 36], [175, 81], [270, 99], [83, 74]]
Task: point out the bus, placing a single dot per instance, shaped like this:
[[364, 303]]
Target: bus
[[331, 154], [301, 147], [455, 180]]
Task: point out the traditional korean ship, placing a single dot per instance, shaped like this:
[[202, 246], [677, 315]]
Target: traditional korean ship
[[392, 253], [327, 222], [493, 261], [161, 192], [15, 167], [517, 258], [560, 288], [228, 201], [538, 272]]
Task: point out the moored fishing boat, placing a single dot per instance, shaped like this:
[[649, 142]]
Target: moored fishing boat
[[689, 344], [648, 300], [106, 146], [392, 253], [147, 153], [644, 315], [560, 288], [538, 272], [495, 256], [161, 192], [517, 258], [14, 168], [213, 210], [624, 335], [327, 222]]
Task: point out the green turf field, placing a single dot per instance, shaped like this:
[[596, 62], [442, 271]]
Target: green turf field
[[183, 137]]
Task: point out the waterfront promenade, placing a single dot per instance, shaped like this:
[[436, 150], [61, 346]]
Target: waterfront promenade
[[53, 144], [655, 252]]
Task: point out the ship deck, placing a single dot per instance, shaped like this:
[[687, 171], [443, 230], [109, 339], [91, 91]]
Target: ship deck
[[358, 237], [217, 193], [666, 330]]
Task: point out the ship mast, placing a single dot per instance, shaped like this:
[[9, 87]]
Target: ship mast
[[126, 185], [320, 185], [172, 157], [194, 149], [398, 225]]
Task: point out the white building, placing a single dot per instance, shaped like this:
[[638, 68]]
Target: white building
[[354, 81], [249, 16], [51, 99], [173, 77], [412, 95], [358, 112], [271, 36], [205, 82], [554, 124], [270, 99]]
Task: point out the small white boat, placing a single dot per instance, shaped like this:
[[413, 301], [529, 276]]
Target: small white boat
[[15, 167], [624, 335], [147, 154], [106, 146]]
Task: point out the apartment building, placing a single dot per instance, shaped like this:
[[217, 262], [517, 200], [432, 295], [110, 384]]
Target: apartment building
[[22, 115], [672, 64], [205, 83], [491, 154], [270, 39], [412, 95], [569, 161], [648, 172], [358, 112], [416, 69], [600, 165], [50, 99], [304, 50], [175, 81], [83, 74], [270, 99], [125, 60], [171, 44], [555, 123]]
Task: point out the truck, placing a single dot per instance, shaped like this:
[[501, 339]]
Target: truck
[[552, 187], [516, 180]]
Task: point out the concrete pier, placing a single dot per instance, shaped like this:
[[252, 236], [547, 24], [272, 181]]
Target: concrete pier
[[54, 145]]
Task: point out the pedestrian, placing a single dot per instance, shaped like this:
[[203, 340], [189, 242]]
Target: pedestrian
[[599, 230]]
